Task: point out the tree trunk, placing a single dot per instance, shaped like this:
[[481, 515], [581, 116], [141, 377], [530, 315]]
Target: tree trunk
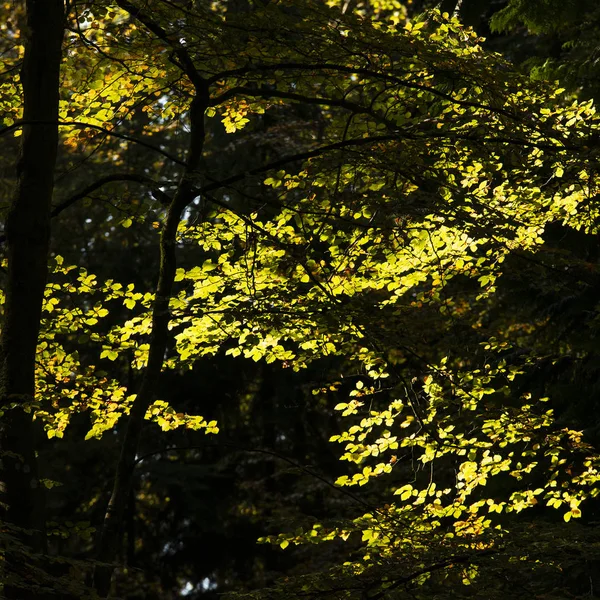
[[27, 238], [112, 531]]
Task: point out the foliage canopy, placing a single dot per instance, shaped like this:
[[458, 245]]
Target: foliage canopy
[[363, 200]]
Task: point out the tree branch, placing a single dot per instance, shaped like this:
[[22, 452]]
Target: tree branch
[[286, 160], [266, 94], [104, 130], [274, 454], [154, 186], [460, 559], [184, 60], [360, 71], [112, 529]]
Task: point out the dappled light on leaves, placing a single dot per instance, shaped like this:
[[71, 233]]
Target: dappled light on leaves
[[351, 207]]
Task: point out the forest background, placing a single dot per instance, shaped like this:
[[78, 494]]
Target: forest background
[[245, 239]]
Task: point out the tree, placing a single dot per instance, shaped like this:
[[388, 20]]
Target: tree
[[27, 239], [386, 176], [563, 35]]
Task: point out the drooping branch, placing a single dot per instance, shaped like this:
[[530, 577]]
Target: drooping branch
[[358, 142], [385, 76], [354, 70], [405, 132]]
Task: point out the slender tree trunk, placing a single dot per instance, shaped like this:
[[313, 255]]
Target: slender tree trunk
[[27, 237], [112, 531]]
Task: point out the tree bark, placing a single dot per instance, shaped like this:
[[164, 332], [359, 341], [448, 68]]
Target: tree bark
[[28, 235], [112, 532]]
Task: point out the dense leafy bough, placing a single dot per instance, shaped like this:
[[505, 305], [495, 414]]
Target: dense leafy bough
[[380, 237]]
